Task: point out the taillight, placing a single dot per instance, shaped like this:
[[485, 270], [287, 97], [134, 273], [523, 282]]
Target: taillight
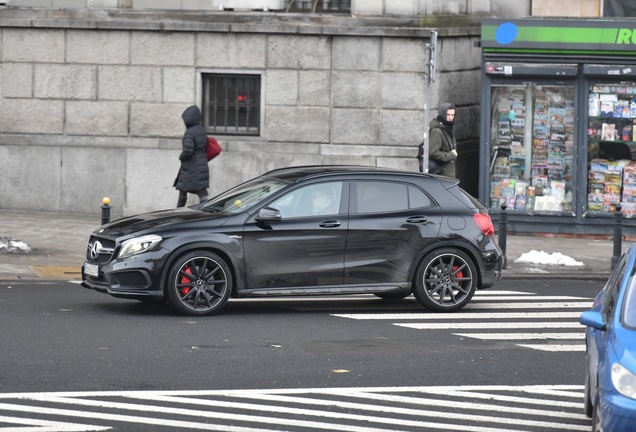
[[484, 223]]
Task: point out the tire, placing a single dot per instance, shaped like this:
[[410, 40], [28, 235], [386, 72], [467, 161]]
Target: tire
[[199, 283], [587, 401], [392, 296], [597, 421], [445, 280]]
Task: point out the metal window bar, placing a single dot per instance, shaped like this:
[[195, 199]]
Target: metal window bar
[[314, 6], [232, 104]]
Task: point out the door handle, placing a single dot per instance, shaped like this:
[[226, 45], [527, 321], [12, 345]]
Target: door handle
[[330, 224], [417, 219]]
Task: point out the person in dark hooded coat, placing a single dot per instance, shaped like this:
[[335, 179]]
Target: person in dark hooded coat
[[442, 145], [194, 174]]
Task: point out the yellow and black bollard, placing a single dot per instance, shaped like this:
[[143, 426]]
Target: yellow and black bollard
[[105, 210]]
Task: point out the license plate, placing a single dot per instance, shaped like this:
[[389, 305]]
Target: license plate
[[91, 269]]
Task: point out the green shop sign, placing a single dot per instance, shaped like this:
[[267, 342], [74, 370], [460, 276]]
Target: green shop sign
[[581, 36]]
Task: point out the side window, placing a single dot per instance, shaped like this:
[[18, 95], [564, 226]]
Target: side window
[[232, 104], [613, 289], [320, 199], [417, 198], [629, 305], [379, 197]]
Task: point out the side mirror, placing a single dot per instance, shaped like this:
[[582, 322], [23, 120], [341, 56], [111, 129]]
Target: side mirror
[[268, 214], [593, 319]]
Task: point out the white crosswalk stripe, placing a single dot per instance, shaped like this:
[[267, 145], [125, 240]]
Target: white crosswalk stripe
[[373, 409], [510, 316]]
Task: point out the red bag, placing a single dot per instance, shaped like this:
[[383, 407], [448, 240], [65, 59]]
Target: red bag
[[213, 148]]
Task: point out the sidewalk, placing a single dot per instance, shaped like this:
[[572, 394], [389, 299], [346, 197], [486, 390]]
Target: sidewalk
[[59, 240]]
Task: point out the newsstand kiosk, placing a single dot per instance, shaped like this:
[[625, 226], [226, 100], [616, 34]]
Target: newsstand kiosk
[[558, 123]]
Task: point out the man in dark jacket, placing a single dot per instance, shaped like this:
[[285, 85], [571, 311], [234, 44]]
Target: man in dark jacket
[[442, 145], [194, 175]]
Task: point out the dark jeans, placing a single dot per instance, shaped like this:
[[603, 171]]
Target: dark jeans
[[183, 197]]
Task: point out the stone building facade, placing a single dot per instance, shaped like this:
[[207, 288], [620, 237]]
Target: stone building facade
[[91, 99]]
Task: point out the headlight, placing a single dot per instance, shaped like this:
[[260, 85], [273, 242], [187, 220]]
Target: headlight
[[138, 245], [624, 381]]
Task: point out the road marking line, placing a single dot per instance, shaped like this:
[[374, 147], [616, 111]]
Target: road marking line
[[457, 315], [418, 401], [522, 336], [318, 390], [126, 418], [46, 426], [489, 325], [357, 406], [488, 292], [254, 419], [522, 298], [517, 399], [539, 305], [383, 394], [554, 347]]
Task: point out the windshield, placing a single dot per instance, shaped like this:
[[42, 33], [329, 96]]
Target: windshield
[[244, 196]]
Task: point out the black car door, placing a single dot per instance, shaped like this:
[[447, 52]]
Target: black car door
[[389, 224], [305, 246]]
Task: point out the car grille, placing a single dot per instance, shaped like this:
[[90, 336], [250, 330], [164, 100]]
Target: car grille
[[100, 250]]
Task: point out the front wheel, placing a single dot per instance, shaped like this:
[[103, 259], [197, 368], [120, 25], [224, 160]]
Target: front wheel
[[587, 401], [597, 419], [445, 280], [199, 283]]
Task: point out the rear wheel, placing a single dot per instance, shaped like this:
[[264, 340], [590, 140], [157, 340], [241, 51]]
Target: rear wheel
[[199, 283], [445, 281]]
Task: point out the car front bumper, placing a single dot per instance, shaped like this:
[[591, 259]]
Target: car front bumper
[[618, 413], [136, 277]]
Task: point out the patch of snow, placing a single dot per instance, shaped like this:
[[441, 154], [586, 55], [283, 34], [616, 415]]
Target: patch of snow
[[555, 258], [13, 246]]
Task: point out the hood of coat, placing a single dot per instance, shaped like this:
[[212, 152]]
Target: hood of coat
[[442, 111], [191, 116]]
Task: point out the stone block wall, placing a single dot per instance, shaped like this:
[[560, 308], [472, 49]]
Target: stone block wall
[[572, 8], [364, 7], [91, 108]]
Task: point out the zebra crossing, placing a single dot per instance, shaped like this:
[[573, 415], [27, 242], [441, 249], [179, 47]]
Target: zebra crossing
[[527, 320], [494, 408]]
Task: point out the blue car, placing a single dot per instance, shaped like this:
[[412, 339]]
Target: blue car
[[610, 335]]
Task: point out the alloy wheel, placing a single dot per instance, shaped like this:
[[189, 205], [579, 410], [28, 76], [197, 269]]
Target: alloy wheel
[[201, 284], [446, 281]]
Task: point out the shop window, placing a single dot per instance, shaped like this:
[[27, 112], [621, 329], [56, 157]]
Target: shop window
[[619, 8], [611, 148], [531, 164], [232, 104]]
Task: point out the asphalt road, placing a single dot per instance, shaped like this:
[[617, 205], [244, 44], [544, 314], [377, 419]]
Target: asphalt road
[[59, 337]]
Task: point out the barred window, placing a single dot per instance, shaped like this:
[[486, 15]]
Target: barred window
[[232, 104], [321, 6]]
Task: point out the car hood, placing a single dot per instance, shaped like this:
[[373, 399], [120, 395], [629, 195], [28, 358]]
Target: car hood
[[158, 221]]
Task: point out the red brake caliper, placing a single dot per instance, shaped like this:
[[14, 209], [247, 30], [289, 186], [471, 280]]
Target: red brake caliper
[[460, 274], [184, 280]]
